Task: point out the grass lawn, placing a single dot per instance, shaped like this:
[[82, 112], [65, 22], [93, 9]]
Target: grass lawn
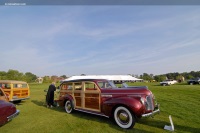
[[181, 101]]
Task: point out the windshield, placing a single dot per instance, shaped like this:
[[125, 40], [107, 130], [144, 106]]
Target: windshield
[[106, 84], [124, 85]]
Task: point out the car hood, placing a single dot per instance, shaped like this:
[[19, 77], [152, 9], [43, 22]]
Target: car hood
[[136, 90], [6, 108]]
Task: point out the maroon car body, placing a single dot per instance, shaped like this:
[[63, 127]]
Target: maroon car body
[[8, 110], [102, 97]]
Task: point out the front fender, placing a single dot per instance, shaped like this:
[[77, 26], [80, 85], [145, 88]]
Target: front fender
[[132, 103]]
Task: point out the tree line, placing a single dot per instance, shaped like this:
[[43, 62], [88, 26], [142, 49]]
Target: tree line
[[175, 76], [16, 75], [27, 77], [30, 77]]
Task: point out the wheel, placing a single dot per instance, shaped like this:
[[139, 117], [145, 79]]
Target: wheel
[[124, 118], [68, 106]]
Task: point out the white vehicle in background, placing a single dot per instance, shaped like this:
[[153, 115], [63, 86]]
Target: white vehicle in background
[[168, 82]]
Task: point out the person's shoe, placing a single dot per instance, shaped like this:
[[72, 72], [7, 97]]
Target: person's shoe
[[47, 106], [51, 106]]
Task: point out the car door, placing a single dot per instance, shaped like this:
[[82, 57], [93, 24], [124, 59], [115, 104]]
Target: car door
[[91, 96], [78, 95]]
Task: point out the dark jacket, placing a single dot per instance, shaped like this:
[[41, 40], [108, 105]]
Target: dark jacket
[[50, 95]]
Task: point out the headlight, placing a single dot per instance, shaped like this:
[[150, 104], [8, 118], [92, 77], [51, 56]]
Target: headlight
[[142, 100]]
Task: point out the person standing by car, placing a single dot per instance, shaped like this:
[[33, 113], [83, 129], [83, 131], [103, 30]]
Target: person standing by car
[[50, 95]]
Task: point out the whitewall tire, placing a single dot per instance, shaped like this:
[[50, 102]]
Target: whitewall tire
[[124, 118], [68, 106]]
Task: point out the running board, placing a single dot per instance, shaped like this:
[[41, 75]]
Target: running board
[[91, 112]]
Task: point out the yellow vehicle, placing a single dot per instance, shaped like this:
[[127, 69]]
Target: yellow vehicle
[[3, 95], [15, 90]]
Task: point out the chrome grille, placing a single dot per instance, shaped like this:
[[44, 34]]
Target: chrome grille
[[149, 103]]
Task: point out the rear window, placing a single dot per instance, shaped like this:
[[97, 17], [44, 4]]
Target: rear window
[[20, 85]]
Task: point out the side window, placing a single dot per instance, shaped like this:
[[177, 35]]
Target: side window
[[17, 85], [78, 86], [14, 85], [66, 86], [8, 86], [24, 85], [5, 86], [90, 86]]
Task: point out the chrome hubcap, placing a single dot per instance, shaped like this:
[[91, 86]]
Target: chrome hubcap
[[123, 117], [68, 106]]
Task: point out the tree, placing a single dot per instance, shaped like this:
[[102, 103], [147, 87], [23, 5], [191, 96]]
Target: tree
[[3, 75], [47, 79], [64, 76], [30, 77], [145, 76], [15, 75], [160, 78]]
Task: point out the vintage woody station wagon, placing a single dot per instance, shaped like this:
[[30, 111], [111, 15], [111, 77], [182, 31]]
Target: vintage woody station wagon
[[102, 97], [15, 90]]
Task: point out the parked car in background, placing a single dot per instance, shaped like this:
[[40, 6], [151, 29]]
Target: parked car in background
[[8, 111], [194, 81], [102, 97], [168, 82], [16, 90]]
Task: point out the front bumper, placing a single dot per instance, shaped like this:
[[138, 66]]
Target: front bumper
[[154, 112], [13, 115]]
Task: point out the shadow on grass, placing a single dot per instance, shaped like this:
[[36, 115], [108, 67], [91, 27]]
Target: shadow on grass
[[18, 103], [171, 85], [91, 117], [161, 124], [149, 122], [153, 123], [39, 103], [43, 104], [109, 121], [187, 128]]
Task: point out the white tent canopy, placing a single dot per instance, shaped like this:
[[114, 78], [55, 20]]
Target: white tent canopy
[[108, 77]]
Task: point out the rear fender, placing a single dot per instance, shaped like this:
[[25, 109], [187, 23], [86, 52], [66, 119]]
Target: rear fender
[[69, 97]]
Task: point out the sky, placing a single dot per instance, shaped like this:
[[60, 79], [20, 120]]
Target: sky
[[105, 40]]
